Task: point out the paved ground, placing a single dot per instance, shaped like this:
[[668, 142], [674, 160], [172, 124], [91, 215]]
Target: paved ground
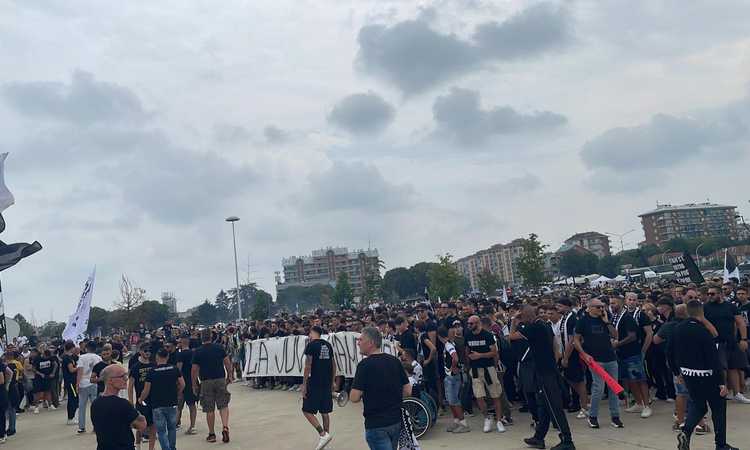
[[271, 420]]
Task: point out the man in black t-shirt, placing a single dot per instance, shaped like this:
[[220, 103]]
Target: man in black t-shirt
[[112, 416], [405, 335], [482, 353], [593, 340], [163, 383], [548, 395], [138, 372], [69, 371], [732, 339], [573, 370], [317, 385], [211, 374], [185, 363], [381, 381], [629, 357], [106, 355]]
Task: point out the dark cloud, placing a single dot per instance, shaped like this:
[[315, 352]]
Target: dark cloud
[[83, 101], [625, 156], [362, 113], [355, 186], [275, 135], [460, 117], [414, 57]]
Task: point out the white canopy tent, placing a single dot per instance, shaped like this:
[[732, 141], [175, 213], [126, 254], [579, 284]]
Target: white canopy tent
[[603, 279]]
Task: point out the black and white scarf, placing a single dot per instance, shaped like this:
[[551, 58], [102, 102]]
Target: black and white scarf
[[407, 440]]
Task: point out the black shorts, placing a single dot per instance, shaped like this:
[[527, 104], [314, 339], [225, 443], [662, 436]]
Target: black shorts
[[574, 372], [188, 396], [318, 401], [41, 385], [731, 357], [146, 412]]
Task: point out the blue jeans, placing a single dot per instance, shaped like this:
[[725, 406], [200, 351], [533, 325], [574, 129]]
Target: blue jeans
[[385, 438], [85, 394], [597, 390], [165, 419]]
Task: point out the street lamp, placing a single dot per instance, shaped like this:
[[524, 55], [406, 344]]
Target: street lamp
[[232, 220], [622, 245], [697, 256]]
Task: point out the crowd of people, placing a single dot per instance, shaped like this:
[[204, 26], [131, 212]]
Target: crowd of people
[[531, 353]]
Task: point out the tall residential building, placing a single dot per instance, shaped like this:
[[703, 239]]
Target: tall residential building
[[694, 220], [323, 267], [592, 241], [168, 299], [500, 259]]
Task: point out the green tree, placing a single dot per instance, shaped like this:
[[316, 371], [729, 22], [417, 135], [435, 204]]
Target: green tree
[[573, 263], [52, 329], [342, 294], [488, 282], [307, 297], [531, 262], [444, 279], [609, 266], [262, 308], [205, 314], [421, 274], [398, 284], [151, 313], [223, 305], [98, 319], [26, 328], [373, 281]]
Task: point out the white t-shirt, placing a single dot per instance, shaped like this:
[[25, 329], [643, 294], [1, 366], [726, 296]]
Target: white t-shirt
[[417, 371], [87, 361]]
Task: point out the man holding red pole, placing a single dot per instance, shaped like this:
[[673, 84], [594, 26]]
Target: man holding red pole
[[593, 340]]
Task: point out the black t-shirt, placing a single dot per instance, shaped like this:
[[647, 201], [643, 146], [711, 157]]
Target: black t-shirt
[[138, 372], [407, 341], [195, 343], [186, 358], [210, 358], [381, 378], [626, 324], [641, 320], [120, 348], [596, 338], [172, 358], [321, 353], [68, 378], [112, 416], [480, 343], [97, 370], [44, 365], [745, 312], [540, 337], [721, 315], [163, 379]]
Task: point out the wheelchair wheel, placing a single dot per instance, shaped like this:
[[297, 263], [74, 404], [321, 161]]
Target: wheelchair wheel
[[420, 417], [430, 403]]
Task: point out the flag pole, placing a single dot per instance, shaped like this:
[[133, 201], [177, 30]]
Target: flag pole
[[3, 322]]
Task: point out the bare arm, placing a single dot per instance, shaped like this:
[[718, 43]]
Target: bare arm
[[355, 395], [433, 351], [648, 338], [131, 389], [194, 376], [405, 390], [228, 368], [180, 385], [632, 337], [145, 393], [306, 374]]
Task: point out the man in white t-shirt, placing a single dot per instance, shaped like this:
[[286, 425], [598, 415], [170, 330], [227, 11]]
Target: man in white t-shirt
[[86, 389]]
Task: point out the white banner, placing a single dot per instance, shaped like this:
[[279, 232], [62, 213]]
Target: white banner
[[285, 357], [78, 322], [6, 198]]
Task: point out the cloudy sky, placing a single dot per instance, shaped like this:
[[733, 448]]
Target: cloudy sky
[[422, 127]]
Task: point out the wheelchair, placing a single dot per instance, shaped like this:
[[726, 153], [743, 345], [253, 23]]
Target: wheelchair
[[422, 409]]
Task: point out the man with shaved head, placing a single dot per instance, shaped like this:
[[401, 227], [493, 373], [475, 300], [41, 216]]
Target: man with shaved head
[[540, 337], [114, 417], [593, 340]]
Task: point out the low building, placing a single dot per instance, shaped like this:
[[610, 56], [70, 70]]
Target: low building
[[170, 301], [596, 243], [500, 259], [323, 266]]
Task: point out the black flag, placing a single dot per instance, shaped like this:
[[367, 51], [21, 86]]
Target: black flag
[[685, 269]]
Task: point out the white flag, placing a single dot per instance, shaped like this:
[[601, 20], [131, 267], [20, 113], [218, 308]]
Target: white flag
[[78, 322], [6, 198], [505, 295]]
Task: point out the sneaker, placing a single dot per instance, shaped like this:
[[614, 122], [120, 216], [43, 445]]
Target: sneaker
[[469, 414], [80, 431], [507, 421], [636, 408], [564, 446], [452, 427], [178, 426], [2, 440], [582, 414], [52, 407], [500, 427], [593, 422], [683, 443], [461, 429], [739, 398], [487, 425], [727, 447], [323, 441], [225, 435], [191, 431], [617, 423], [36, 410], [700, 430], [646, 413], [534, 442], [677, 426], [670, 400], [72, 422]]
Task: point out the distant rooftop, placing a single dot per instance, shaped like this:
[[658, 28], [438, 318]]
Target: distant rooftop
[[292, 260], [666, 207], [586, 234]]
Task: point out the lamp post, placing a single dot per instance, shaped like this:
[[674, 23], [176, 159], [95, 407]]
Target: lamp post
[[232, 220], [622, 235], [697, 256]]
